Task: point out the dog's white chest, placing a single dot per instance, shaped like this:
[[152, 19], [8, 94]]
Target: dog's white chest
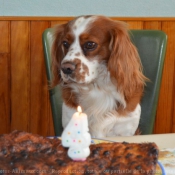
[[104, 120]]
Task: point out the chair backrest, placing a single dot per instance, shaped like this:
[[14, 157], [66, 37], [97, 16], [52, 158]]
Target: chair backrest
[[55, 93], [151, 45]]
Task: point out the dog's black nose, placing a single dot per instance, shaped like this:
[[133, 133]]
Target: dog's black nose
[[67, 68]]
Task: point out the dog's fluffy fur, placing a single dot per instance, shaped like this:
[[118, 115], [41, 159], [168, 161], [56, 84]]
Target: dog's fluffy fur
[[100, 70]]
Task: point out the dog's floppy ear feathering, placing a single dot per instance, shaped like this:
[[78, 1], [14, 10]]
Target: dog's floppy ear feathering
[[57, 54], [124, 64]]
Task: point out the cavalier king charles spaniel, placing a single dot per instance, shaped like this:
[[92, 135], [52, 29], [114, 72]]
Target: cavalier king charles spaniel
[[99, 69]]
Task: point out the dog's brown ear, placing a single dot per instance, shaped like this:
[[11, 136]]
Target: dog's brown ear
[[57, 53], [124, 63]]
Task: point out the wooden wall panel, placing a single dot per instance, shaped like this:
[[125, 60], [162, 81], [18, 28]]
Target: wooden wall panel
[[166, 115], [166, 101], [135, 24], [20, 75], [154, 25], [4, 36], [54, 23], [4, 93], [41, 120], [24, 99], [4, 77]]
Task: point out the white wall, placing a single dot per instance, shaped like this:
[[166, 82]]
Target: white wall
[[121, 8]]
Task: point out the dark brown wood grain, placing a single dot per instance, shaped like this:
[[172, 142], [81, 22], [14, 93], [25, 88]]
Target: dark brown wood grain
[[20, 75], [165, 112], [40, 121], [4, 93], [152, 25], [4, 36], [4, 77], [135, 24]]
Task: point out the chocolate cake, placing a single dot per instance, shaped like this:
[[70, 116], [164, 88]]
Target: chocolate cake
[[25, 153]]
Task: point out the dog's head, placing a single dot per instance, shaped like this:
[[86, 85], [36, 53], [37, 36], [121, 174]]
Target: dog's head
[[83, 46]]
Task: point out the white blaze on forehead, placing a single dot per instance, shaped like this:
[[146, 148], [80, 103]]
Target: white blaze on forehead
[[81, 24], [75, 51], [79, 27]]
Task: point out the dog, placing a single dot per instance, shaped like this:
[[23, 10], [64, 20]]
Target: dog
[[99, 69]]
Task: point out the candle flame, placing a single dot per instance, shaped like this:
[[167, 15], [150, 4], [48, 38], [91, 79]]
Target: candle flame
[[79, 109]]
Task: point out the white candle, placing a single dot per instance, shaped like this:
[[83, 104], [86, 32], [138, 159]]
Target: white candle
[[76, 136]]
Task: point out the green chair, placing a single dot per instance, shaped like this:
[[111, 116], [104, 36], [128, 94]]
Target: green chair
[[151, 46]]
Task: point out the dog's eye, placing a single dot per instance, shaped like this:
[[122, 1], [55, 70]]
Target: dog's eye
[[90, 45], [66, 44]]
